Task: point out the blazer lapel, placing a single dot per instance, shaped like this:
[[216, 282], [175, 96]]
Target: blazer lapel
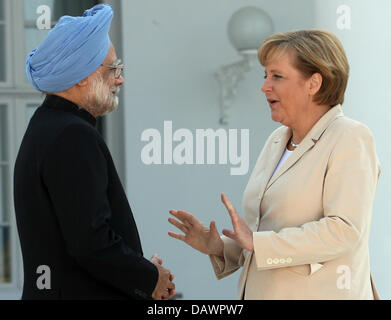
[[276, 150], [308, 142], [294, 157]]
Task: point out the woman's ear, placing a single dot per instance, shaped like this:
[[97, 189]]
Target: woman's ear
[[315, 83]]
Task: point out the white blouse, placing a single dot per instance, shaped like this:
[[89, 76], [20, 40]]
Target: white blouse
[[284, 157]]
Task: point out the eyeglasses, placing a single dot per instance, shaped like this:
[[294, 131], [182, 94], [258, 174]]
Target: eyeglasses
[[118, 67]]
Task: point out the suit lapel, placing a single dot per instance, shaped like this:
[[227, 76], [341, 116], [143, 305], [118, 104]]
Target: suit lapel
[[294, 157], [308, 142], [276, 150]]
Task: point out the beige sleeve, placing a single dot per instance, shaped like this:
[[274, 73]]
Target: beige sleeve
[[349, 188], [232, 261]]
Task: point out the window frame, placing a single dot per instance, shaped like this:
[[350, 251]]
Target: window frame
[[12, 289], [8, 47], [20, 81]]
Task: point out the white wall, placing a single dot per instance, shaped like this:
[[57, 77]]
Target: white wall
[[368, 99], [171, 50]]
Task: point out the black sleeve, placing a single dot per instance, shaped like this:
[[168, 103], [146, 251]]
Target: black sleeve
[[75, 173]]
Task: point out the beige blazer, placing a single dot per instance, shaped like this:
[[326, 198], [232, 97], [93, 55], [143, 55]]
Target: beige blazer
[[311, 220]]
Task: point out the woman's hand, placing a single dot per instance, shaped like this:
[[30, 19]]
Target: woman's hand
[[242, 234], [204, 239]]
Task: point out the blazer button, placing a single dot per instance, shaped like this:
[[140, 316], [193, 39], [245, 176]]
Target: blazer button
[[289, 260], [282, 261], [276, 260], [269, 261]]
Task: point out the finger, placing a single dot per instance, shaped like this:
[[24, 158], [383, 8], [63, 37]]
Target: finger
[[172, 293], [229, 234], [231, 209], [213, 228], [184, 216], [187, 224], [156, 258], [177, 224], [171, 285], [171, 277], [177, 236]]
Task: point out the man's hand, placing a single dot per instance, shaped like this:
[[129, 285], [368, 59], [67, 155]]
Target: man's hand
[[165, 288]]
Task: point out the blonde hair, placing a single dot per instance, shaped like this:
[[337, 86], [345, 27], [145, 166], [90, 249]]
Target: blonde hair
[[316, 51]]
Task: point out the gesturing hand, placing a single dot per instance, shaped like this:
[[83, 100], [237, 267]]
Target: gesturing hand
[[242, 234], [196, 235]]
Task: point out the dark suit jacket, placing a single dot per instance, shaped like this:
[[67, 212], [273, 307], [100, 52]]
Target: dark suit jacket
[[72, 212]]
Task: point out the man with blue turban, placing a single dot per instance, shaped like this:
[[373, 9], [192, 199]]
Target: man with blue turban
[[77, 232]]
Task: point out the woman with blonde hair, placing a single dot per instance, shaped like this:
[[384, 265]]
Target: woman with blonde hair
[[308, 204]]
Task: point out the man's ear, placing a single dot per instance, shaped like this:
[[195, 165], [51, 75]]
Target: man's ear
[[315, 83], [83, 83]]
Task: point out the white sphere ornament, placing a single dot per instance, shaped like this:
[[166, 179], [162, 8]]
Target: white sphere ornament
[[248, 28]]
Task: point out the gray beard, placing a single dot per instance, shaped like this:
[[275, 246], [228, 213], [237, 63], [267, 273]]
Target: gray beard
[[101, 100]]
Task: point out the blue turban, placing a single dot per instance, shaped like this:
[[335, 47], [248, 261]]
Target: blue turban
[[73, 50]]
